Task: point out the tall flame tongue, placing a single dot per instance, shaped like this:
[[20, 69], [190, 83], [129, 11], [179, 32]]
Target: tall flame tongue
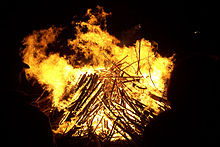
[[113, 94]]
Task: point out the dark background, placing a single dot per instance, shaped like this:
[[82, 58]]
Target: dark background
[[181, 27], [172, 24]]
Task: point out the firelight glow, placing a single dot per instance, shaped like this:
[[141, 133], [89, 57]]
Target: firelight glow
[[97, 96]]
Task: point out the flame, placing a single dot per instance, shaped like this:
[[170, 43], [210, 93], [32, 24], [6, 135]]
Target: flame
[[59, 75]]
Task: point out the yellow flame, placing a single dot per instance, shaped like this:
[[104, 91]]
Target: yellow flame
[[57, 74]]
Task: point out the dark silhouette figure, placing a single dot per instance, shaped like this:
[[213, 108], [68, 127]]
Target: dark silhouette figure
[[26, 125], [193, 94]]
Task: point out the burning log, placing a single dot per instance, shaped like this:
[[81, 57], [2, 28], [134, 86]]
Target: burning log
[[104, 91]]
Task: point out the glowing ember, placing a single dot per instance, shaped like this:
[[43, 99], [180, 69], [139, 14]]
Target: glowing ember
[[112, 91]]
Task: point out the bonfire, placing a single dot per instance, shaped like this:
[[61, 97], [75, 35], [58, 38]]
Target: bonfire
[[99, 87]]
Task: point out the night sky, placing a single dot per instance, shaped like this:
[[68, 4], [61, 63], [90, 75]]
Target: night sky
[[182, 27]]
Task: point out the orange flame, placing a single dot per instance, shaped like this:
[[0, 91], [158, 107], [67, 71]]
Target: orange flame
[[57, 74]]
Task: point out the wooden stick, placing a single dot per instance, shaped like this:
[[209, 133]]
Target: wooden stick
[[139, 56]]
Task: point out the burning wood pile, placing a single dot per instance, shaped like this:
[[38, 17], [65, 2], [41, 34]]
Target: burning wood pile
[[113, 96]]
